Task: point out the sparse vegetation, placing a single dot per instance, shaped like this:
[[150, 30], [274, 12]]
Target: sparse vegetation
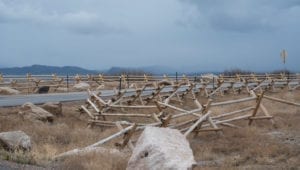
[[234, 71], [253, 147]]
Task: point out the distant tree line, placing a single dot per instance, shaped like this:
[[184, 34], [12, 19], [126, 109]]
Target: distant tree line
[[127, 71], [232, 72]]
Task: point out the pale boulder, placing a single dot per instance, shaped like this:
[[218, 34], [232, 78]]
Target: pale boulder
[[8, 91], [161, 148], [82, 86], [33, 112], [61, 89], [15, 140], [53, 107]]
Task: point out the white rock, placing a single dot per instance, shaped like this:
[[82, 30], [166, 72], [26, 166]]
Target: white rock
[[53, 107], [88, 150], [8, 91], [209, 76], [31, 111], [15, 140], [61, 89], [81, 86], [100, 87], [161, 148]]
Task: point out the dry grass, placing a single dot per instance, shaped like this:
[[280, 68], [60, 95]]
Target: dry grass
[[258, 146], [254, 147], [65, 133], [95, 161]]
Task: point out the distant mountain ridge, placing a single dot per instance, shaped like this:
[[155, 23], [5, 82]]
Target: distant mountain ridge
[[43, 69], [73, 70], [155, 70]]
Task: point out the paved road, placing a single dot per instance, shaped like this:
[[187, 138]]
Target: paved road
[[41, 98], [16, 100], [72, 96], [75, 96]]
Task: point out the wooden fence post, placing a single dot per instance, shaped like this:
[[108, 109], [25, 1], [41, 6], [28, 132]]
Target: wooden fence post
[[260, 96]]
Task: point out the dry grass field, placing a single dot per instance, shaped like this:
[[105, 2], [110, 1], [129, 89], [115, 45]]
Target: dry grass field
[[260, 146]]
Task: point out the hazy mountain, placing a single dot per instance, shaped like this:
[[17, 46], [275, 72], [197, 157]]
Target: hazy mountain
[[155, 70], [158, 70], [72, 70], [42, 69]]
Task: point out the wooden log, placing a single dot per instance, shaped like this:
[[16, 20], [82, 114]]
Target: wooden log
[[183, 123], [114, 103], [127, 140], [132, 107], [232, 119], [91, 124], [198, 103], [103, 122], [209, 129], [99, 99], [281, 100], [155, 93], [165, 121], [294, 88], [201, 119], [187, 113], [206, 92], [258, 86], [177, 89], [126, 115], [207, 106], [92, 147], [112, 136], [218, 89], [155, 117], [88, 112], [196, 130], [212, 122], [128, 135], [138, 94], [233, 101], [96, 108], [121, 122], [256, 107], [141, 100], [93, 105], [204, 111], [233, 113], [230, 125], [188, 90], [264, 109], [261, 117], [158, 106], [82, 151], [172, 107]]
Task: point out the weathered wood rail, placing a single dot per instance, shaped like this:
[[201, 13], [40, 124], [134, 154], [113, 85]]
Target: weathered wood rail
[[166, 113], [209, 85]]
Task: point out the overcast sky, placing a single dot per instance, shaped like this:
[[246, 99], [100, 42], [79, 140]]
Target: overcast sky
[[186, 34]]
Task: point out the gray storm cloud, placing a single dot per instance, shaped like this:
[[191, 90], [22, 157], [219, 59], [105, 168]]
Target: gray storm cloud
[[80, 21], [245, 15], [189, 34]]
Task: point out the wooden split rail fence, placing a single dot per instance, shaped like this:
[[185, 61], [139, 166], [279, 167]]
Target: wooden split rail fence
[[167, 109], [209, 85]]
